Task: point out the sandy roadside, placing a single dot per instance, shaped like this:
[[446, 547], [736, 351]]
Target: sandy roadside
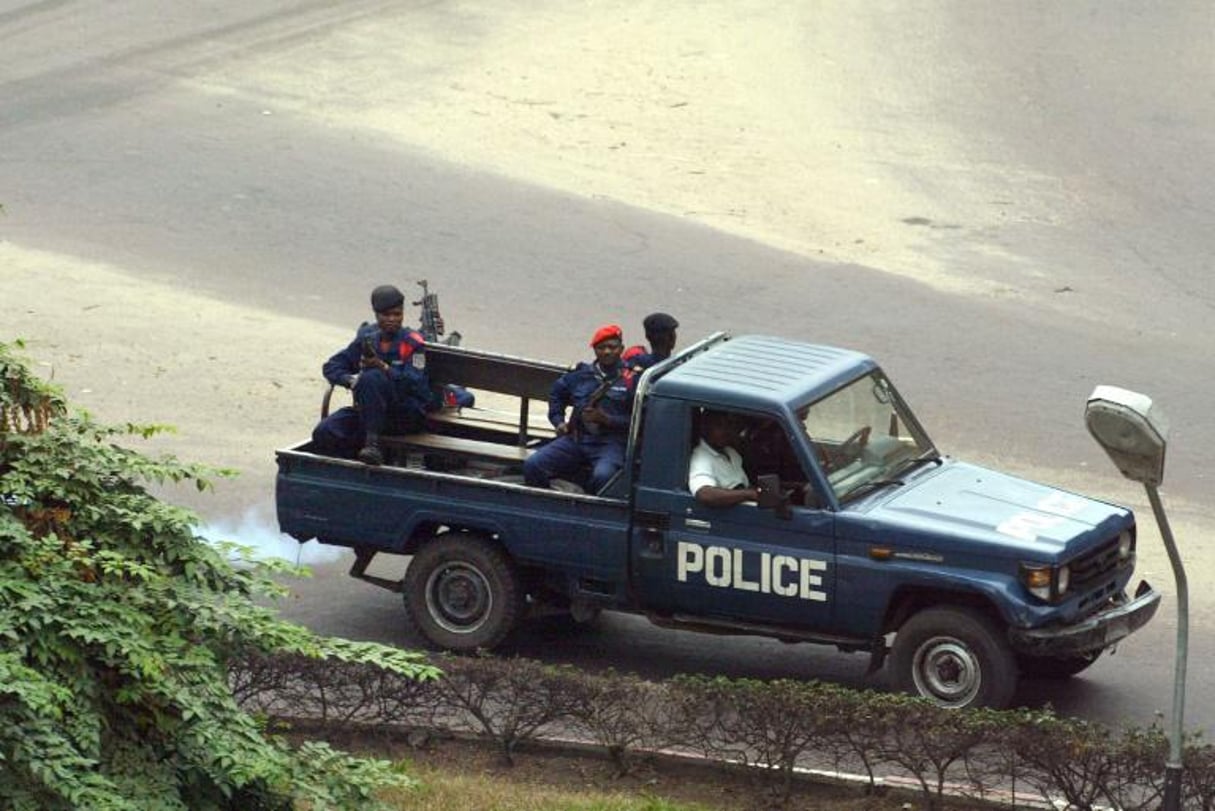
[[813, 127], [130, 350]]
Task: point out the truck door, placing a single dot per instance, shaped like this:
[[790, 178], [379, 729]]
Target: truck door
[[739, 563]]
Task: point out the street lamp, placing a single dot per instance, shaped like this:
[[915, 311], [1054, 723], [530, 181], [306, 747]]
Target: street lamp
[[1135, 433]]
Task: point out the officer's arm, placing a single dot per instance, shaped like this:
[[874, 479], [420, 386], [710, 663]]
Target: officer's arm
[[614, 419], [343, 365], [558, 398], [711, 496], [617, 414]]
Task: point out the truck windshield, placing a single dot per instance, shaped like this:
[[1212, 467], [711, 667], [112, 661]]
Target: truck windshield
[[865, 437]]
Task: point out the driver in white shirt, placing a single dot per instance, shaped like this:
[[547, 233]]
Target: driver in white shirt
[[715, 475]]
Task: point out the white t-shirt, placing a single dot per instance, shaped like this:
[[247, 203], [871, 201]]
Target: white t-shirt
[[713, 469]]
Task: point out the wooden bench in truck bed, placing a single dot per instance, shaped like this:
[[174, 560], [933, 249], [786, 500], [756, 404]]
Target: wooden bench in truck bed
[[458, 446], [480, 432]]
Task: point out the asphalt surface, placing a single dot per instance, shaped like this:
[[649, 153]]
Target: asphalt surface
[[106, 153]]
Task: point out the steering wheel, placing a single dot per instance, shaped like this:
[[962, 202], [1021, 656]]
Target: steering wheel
[[854, 445]]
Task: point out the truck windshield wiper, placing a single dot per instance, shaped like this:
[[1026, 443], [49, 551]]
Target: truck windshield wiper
[[873, 484], [907, 465], [893, 480]]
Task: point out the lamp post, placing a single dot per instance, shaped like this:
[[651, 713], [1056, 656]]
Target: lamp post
[[1135, 433]]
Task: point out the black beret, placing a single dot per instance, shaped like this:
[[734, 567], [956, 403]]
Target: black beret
[[659, 322], [385, 297]]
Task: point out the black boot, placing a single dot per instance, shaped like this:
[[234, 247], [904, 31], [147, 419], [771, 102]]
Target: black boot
[[371, 454]]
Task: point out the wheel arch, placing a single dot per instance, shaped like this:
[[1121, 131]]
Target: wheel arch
[[909, 600], [425, 526], [423, 532]]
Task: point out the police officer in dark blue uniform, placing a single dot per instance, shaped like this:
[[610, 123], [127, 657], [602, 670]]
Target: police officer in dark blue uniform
[[599, 396], [385, 367], [660, 334]]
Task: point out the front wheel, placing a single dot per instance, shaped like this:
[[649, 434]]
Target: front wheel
[[955, 657], [462, 593]]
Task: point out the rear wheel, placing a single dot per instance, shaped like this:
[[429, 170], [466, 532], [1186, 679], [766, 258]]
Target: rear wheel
[[1055, 667], [462, 593], [955, 657]]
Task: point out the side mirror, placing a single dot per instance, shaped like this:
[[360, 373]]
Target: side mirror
[[772, 496]]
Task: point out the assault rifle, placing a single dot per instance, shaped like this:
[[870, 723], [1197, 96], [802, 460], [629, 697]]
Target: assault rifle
[[592, 402], [431, 322]]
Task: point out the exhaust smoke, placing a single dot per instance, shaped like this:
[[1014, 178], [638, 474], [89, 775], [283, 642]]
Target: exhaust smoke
[[256, 529]]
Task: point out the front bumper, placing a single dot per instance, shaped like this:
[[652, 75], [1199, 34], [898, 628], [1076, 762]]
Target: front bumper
[[1095, 633]]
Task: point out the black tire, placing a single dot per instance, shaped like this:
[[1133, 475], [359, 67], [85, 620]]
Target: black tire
[[462, 593], [955, 657], [1055, 667]]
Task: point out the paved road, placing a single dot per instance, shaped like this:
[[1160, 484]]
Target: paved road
[[108, 152]]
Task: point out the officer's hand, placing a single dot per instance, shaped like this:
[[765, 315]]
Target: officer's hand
[[562, 429], [373, 363]]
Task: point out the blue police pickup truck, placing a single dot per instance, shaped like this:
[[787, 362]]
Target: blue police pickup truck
[[957, 578]]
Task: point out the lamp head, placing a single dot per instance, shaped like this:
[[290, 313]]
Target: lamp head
[[1133, 432]]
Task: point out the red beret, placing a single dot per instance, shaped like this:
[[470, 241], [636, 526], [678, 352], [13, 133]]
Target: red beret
[[604, 333]]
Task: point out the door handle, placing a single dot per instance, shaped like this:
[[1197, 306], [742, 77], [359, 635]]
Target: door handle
[[697, 523], [653, 542]]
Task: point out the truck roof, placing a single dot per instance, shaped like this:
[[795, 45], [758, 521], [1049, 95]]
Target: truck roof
[[759, 372]]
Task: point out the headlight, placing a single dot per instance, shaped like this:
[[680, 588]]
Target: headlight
[[1047, 583], [1038, 580]]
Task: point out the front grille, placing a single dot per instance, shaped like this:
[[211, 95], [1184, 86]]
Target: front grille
[[1090, 569], [1096, 600]]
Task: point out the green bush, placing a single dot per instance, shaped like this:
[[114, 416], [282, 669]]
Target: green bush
[[510, 701], [117, 628], [621, 713]]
